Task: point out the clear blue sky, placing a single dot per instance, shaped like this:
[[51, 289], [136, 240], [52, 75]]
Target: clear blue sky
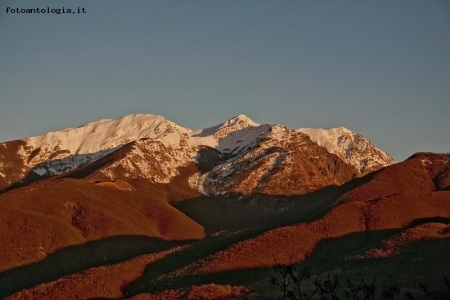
[[380, 68]]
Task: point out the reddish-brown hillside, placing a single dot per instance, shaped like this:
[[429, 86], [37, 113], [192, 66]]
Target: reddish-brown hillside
[[12, 165], [53, 214], [99, 282], [395, 197]]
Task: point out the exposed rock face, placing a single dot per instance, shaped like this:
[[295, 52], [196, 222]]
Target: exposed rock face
[[284, 162], [238, 156]]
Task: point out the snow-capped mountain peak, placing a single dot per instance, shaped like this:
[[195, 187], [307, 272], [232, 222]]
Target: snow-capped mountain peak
[[158, 148], [65, 150], [109, 133], [241, 121], [327, 138], [352, 147], [223, 129]]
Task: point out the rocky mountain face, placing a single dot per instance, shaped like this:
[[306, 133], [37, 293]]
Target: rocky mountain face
[[238, 156]]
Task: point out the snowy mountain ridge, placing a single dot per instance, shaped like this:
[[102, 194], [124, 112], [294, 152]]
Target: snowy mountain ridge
[[352, 147], [160, 147], [109, 133]]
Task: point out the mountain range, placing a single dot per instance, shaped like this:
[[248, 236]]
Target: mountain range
[[174, 212], [154, 148]]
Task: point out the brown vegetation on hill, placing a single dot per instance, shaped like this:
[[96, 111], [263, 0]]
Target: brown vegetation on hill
[[304, 172], [118, 185], [12, 164], [395, 197], [100, 282], [49, 215], [394, 245]]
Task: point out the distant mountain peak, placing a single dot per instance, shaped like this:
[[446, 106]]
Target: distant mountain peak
[[243, 119], [221, 130], [238, 122], [340, 129], [352, 147]]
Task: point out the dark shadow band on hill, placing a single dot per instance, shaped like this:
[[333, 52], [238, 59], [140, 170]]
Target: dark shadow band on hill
[[327, 251], [418, 260], [332, 255], [236, 211], [196, 251], [78, 258], [422, 221]]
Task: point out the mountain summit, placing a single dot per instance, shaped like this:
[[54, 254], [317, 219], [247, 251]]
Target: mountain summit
[[353, 148], [153, 148], [234, 124]]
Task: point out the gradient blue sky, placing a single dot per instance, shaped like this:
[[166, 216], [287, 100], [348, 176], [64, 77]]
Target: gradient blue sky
[[380, 68]]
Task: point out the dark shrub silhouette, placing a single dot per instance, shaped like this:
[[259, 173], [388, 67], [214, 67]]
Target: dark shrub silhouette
[[293, 283]]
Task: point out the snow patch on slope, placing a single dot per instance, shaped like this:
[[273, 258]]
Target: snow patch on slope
[[262, 155], [151, 160], [69, 163], [328, 138], [238, 132]]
